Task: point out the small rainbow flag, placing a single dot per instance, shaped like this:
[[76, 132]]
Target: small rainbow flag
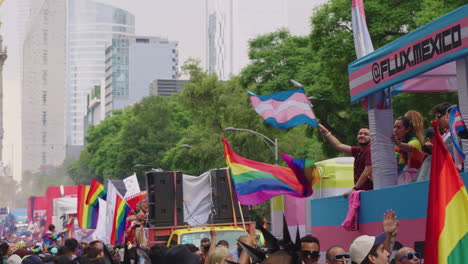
[[96, 190], [69, 224], [87, 214], [118, 225], [256, 182]]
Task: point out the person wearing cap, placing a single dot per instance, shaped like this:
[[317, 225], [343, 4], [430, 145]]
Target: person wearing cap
[[407, 255], [369, 250], [179, 254], [336, 255]]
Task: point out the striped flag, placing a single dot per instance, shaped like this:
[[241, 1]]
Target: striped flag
[[69, 224], [118, 225], [456, 125], [87, 214], [284, 109], [447, 212], [256, 182], [96, 190]]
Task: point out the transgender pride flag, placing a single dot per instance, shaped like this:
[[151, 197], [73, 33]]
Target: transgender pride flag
[[456, 125], [284, 109]]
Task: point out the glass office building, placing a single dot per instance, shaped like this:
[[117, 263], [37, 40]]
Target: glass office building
[[91, 26]]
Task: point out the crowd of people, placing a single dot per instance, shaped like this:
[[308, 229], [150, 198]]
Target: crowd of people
[[413, 147], [381, 248]]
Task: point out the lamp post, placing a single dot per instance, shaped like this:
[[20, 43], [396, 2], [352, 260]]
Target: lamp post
[[265, 139]]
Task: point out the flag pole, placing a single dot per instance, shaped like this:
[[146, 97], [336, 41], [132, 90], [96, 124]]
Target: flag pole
[[232, 200], [242, 215]]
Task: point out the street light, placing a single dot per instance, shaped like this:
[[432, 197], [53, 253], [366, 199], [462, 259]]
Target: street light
[[265, 139], [185, 146]]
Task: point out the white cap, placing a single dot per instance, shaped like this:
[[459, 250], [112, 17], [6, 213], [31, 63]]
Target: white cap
[[362, 245]]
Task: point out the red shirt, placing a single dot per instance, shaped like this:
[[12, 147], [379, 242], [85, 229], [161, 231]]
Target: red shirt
[[362, 158]]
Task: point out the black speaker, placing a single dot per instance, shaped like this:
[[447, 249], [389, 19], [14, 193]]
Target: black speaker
[[222, 204], [165, 192]]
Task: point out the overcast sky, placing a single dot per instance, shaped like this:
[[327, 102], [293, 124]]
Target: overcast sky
[[177, 20]]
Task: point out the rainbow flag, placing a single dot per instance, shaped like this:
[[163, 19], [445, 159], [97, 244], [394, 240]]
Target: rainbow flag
[[68, 225], [118, 225], [87, 214], [447, 212], [256, 182], [96, 190]]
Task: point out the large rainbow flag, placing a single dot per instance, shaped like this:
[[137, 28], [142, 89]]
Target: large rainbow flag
[[96, 190], [256, 182], [87, 214], [447, 212], [118, 225]]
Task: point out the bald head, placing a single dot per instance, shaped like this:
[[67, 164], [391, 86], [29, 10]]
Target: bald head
[[403, 252], [332, 252]]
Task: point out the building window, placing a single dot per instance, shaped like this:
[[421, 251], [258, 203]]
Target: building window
[[44, 97], [44, 118], [44, 157], [44, 138]]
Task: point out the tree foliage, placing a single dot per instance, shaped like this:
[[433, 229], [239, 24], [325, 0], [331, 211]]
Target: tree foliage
[[155, 130]]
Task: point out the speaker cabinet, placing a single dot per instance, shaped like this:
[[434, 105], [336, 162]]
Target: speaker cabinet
[[222, 204], [165, 192]]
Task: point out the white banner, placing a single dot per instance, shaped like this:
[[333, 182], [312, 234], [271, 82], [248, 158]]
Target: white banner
[[197, 198], [132, 186], [100, 232], [110, 207]]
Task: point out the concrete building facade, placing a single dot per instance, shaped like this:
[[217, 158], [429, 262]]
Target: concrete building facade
[[43, 93], [132, 64], [232, 23], [165, 87], [90, 27]]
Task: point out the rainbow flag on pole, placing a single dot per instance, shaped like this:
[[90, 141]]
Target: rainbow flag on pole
[[87, 214], [96, 190], [256, 182], [118, 225], [447, 212]]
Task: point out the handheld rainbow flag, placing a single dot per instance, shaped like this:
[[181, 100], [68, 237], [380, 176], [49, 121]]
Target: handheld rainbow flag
[[456, 125], [68, 225], [256, 182], [87, 214], [118, 225], [284, 109], [96, 190], [446, 226]]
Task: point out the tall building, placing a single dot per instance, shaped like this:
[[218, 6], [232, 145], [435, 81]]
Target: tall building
[[164, 87], [132, 64], [90, 26], [43, 93], [232, 23]]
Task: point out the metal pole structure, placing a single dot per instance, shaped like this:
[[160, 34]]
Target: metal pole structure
[[277, 202]]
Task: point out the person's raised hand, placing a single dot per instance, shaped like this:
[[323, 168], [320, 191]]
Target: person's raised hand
[[390, 222]]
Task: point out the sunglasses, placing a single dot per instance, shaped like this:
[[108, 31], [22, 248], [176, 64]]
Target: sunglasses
[[410, 256], [311, 254], [341, 256]]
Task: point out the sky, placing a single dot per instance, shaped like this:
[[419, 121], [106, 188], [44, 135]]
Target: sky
[[177, 20]]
